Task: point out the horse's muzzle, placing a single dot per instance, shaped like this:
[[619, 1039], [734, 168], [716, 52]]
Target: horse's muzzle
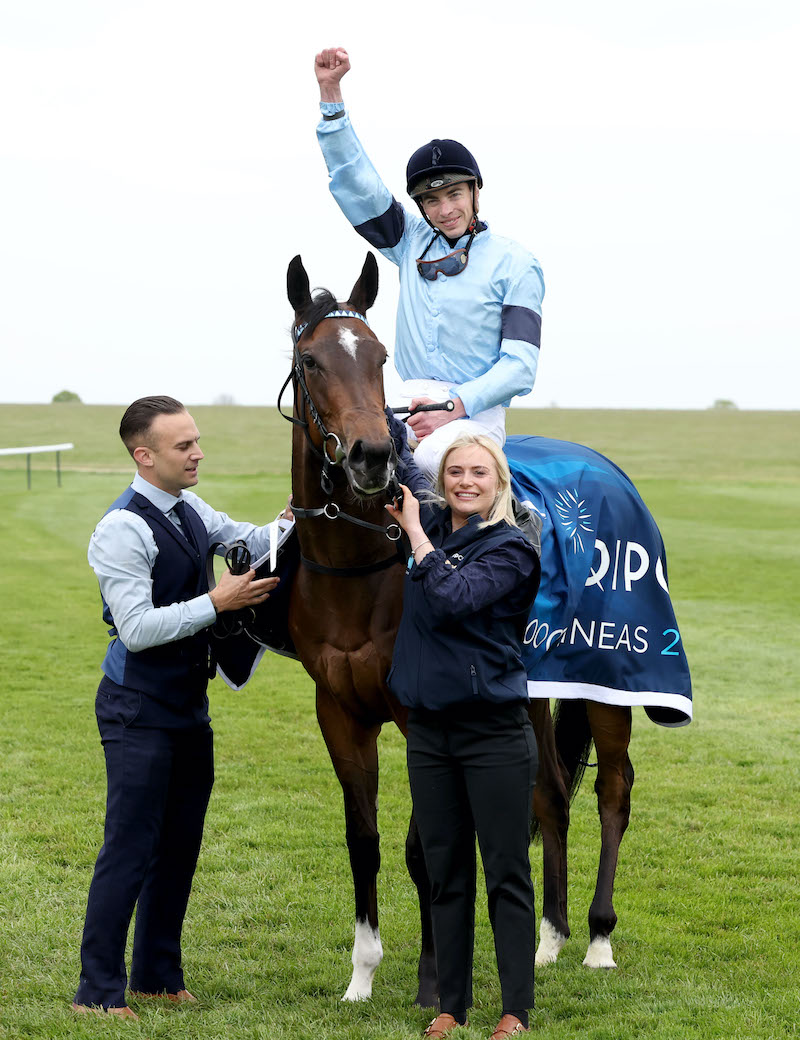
[[370, 465]]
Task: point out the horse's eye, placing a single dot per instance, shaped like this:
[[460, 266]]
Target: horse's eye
[[309, 363]]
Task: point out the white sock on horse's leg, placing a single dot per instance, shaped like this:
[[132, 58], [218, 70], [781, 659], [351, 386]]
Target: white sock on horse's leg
[[551, 942], [367, 955], [599, 954]]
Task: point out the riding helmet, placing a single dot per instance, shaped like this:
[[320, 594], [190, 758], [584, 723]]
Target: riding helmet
[[439, 163]]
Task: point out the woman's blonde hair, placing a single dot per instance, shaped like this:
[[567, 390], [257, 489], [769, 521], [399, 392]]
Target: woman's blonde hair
[[502, 508]]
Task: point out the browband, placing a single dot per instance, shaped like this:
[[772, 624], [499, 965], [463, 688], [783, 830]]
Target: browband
[[298, 330]]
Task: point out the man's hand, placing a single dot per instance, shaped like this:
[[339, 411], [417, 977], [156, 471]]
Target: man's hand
[[235, 591], [424, 423], [330, 65]]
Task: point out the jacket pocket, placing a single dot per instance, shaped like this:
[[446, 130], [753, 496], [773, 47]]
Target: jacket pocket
[[473, 678]]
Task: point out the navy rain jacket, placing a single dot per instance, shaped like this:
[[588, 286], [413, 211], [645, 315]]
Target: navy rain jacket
[[465, 609]]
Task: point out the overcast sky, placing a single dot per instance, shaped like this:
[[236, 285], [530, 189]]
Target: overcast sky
[[159, 170]]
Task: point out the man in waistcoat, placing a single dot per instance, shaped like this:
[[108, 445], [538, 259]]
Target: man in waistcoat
[[149, 554]]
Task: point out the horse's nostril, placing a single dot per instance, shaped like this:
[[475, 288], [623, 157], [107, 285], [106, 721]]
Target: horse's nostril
[[357, 453], [370, 455]]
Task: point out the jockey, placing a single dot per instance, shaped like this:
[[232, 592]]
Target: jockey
[[469, 313]]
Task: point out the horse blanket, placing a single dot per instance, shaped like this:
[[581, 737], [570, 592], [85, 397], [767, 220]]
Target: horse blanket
[[602, 627]]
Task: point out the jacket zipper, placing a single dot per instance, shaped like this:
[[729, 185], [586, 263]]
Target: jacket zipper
[[473, 675]]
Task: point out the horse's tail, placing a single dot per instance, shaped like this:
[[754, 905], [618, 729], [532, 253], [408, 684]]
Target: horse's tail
[[573, 740]]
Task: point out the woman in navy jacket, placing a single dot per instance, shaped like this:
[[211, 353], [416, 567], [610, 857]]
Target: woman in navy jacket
[[472, 755]]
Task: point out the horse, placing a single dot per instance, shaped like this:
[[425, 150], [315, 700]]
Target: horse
[[344, 609], [346, 598]]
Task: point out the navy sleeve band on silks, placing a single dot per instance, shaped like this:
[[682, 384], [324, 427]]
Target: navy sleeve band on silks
[[522, 323], [385, 231]]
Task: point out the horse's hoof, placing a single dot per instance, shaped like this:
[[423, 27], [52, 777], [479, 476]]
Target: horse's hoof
[[599, 954], [356, 993], [551, 943]]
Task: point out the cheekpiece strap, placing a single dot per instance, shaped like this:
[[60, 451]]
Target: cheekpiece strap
[[298, 330]]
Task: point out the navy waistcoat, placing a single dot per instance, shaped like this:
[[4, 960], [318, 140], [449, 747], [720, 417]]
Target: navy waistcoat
[[175, 672]]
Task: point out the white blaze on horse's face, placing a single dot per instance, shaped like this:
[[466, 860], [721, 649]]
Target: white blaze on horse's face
[[349, 340]]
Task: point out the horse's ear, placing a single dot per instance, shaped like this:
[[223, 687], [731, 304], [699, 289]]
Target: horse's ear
[[366, 288], [297, 285]]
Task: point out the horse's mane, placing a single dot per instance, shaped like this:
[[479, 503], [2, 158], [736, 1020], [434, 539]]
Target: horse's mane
[[322, 303]]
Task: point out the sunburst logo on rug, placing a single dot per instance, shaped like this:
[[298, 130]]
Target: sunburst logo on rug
[[575, 518]]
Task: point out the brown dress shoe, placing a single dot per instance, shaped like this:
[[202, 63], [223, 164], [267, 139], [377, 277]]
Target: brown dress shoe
[[441, 1026], [509, 1025], [183, 996], [119, 1012]]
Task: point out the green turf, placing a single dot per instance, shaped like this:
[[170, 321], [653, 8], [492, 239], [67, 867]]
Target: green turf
[[707, 890]]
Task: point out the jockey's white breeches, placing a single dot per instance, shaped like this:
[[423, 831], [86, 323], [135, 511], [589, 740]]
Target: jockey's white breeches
[[428, 452]]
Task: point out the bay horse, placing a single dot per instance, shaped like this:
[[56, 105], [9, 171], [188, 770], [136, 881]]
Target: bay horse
[[344, 610]]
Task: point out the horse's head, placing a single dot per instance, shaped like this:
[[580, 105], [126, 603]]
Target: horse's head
[[338, 378]]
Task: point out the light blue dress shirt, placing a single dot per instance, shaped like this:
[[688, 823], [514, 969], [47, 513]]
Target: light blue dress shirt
[[478, 331], [122, 552]]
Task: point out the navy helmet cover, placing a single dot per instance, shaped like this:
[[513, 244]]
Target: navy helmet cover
[[439, 163]]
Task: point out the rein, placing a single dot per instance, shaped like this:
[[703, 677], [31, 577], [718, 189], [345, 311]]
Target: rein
[[237, 558]]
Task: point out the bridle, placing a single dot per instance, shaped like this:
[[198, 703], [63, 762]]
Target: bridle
[[331, 510], [297, 378]]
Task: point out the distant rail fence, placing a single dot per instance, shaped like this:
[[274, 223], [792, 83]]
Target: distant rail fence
[[36, 450]]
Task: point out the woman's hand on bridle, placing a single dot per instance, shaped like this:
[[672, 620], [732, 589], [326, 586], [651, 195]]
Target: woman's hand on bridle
[[408, 516]]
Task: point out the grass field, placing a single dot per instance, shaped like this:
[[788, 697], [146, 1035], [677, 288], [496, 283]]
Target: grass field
[[707, 891]]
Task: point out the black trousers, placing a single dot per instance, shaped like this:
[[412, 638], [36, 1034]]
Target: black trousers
[[159, 784], [472, 770]]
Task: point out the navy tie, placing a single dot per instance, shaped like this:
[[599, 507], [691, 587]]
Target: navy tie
[[179, 509]]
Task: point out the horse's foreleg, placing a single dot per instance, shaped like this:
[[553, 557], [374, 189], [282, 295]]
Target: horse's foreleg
[[611, 730], [551, 807], [354, 754], [428, 991]]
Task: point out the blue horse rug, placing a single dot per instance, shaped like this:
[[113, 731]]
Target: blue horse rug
[[602, 627]]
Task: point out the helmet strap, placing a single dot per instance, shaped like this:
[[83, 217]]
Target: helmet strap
[[427, 247], [473, 230]]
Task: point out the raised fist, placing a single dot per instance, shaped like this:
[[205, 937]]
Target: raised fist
[[330, 65]]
